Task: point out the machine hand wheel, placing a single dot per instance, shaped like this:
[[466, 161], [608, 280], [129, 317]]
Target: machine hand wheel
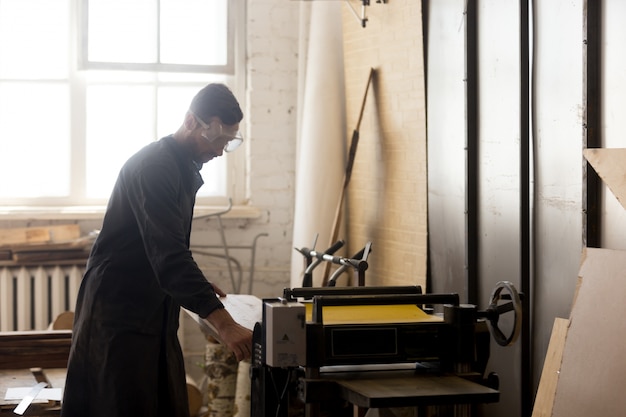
[[495, 310]]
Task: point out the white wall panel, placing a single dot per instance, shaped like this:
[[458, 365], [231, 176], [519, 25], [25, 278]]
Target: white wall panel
[[558, 166], [446, 146], [499, 176]]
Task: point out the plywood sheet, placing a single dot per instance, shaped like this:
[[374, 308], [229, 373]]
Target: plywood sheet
[[592, 378], [610, 164]]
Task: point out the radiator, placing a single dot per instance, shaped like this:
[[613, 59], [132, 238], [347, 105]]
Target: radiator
[[32, 297]]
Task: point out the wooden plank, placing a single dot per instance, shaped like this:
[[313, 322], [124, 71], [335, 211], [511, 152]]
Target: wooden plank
[[610, 164], [63, 244], [24, 235], [28, 349], [38, 235], [592, 378], [49, 255], [52, 246], [546, 391], [551, 368]]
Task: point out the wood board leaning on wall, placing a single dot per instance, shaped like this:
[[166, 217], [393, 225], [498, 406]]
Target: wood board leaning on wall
[[583, 371]]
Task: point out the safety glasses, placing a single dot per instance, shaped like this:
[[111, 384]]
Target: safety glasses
[[235, 138]]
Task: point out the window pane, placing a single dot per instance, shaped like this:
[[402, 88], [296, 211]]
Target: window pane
[[120, 121], [35, 144], [34, 39], [194, 32], [122, 31]]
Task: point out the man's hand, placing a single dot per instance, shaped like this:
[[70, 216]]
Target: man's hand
[[236, 337]]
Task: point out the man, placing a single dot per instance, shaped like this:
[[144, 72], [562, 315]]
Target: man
[[125, 358]]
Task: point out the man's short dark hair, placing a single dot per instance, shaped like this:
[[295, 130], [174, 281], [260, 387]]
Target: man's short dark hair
[[216, 100]]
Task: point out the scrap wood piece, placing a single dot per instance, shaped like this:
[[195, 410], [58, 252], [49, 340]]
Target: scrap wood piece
[[610, 164], [24, 235], [38, 235], [592, 377], [551, 368], [75, 244], [74, 249], [63, 321]]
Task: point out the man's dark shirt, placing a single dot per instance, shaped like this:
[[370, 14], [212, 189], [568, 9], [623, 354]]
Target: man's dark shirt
[[125, 358]]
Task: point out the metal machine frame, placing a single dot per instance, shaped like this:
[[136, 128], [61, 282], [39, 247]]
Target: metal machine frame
[[407, 354]]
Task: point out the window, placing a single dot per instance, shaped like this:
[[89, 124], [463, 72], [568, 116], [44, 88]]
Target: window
[[86, 83]]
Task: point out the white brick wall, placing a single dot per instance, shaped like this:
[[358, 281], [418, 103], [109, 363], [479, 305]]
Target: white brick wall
[[272, 80]]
